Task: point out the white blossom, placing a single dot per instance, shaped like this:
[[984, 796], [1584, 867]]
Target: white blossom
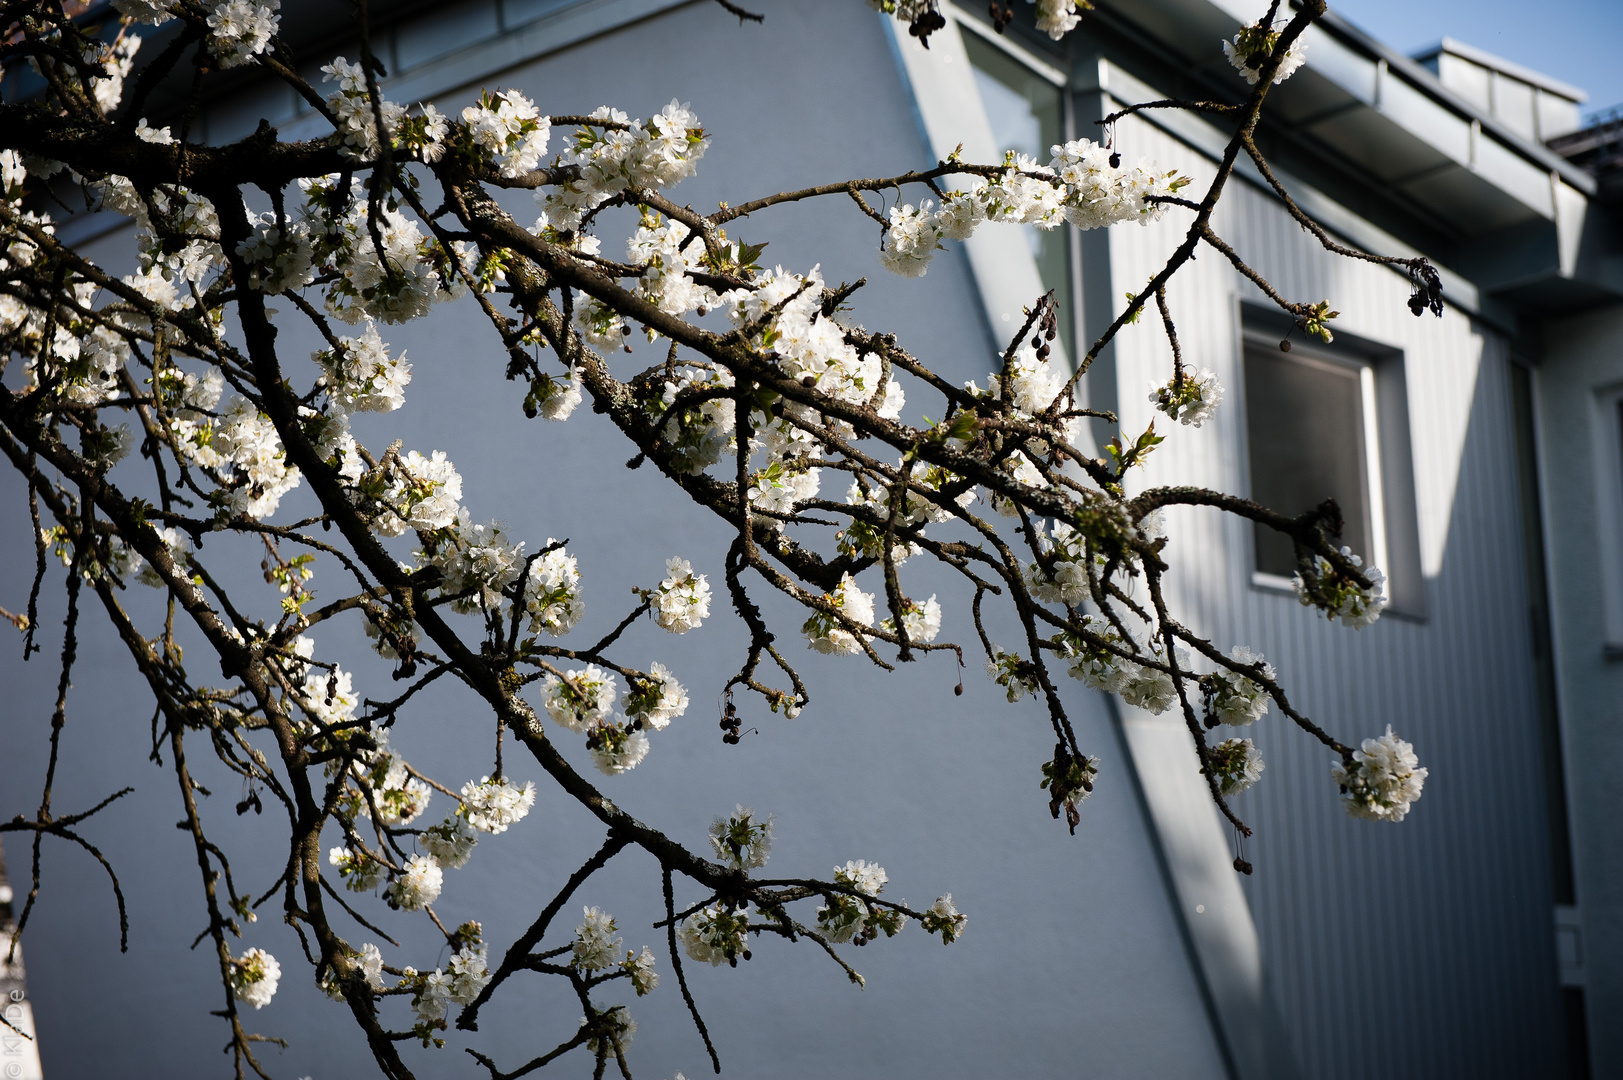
[[371, 964], [682, 601], [1340, 597], [1382, 780], [400, 797], [663, 251], [1236, 765], [656, 700], [846, 917], [420, 885], [943, 918], [715, 934], [147, 133], [119, 61], [640, 968], [1017, 675], [825, 634], [470, 973], [511, 129], [616, 747], [1232, 697], [1152, 689], [254, 976], [492, 805], [1251, 48], [961, 212], [1189, 400], [643, 154], [582, 697], [180, 552], [1056, 18], [362, 376], [280, 255], [450, 842], [12, 173], [741, 840], [241, 29], [420, 493], [552, 596], [360, 873], [433, 996], [911, 241], [1067, 583], [921, 619], [479, 564], [596, 947], [250, 451], [557, 396]]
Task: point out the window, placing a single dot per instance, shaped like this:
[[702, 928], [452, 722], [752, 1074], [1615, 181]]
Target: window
[[1026, 112], [1311, 435]]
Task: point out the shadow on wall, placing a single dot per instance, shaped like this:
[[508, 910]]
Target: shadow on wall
[[1458, 895]]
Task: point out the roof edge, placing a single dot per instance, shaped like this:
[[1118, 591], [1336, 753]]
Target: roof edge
[[1507, 67], [1430, 85]]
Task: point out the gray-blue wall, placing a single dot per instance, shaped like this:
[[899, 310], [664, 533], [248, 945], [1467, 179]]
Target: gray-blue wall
[[1073, 962]]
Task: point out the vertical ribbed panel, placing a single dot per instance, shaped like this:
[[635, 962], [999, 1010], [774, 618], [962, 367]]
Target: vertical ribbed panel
[[1423, 948]]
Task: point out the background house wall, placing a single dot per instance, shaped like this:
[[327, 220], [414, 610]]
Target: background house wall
[[1074, 961], [1420, 950], [1580, 378]]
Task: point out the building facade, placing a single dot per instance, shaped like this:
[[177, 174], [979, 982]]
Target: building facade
[[1478, 458]]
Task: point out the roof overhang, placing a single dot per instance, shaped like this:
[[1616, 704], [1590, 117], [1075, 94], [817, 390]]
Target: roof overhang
[[1507, 213]]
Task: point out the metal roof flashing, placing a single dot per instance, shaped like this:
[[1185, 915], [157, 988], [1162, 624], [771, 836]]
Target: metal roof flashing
[[1498, 63]]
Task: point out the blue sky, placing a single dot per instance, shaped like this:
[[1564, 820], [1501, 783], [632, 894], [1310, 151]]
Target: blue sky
[[1577, 41]]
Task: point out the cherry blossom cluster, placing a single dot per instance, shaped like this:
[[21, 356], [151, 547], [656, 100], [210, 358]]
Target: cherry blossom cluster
[[1250, 49], [459, 983], [241, 29], [1188, 398], [741, 840], [1235, 764], [1083, 184], [254, 976], [827, 633], [620, 154], [583, 699], [715, 934], [1056, 18], [1234, 698], [1381, 780], [597, 947], [853, 918], [1338, 595], [394, 276], [682, 600], [352, 106], [510, 129]]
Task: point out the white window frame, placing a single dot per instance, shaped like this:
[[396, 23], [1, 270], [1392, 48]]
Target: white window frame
[[1609, 502], [1374, 493]]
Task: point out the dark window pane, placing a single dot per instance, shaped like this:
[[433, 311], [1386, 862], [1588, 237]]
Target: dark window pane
[[1027, 116], [1305, 429], [1577, 1030]]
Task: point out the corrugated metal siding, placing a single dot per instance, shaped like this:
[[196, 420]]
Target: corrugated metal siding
[[1425, 948]]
